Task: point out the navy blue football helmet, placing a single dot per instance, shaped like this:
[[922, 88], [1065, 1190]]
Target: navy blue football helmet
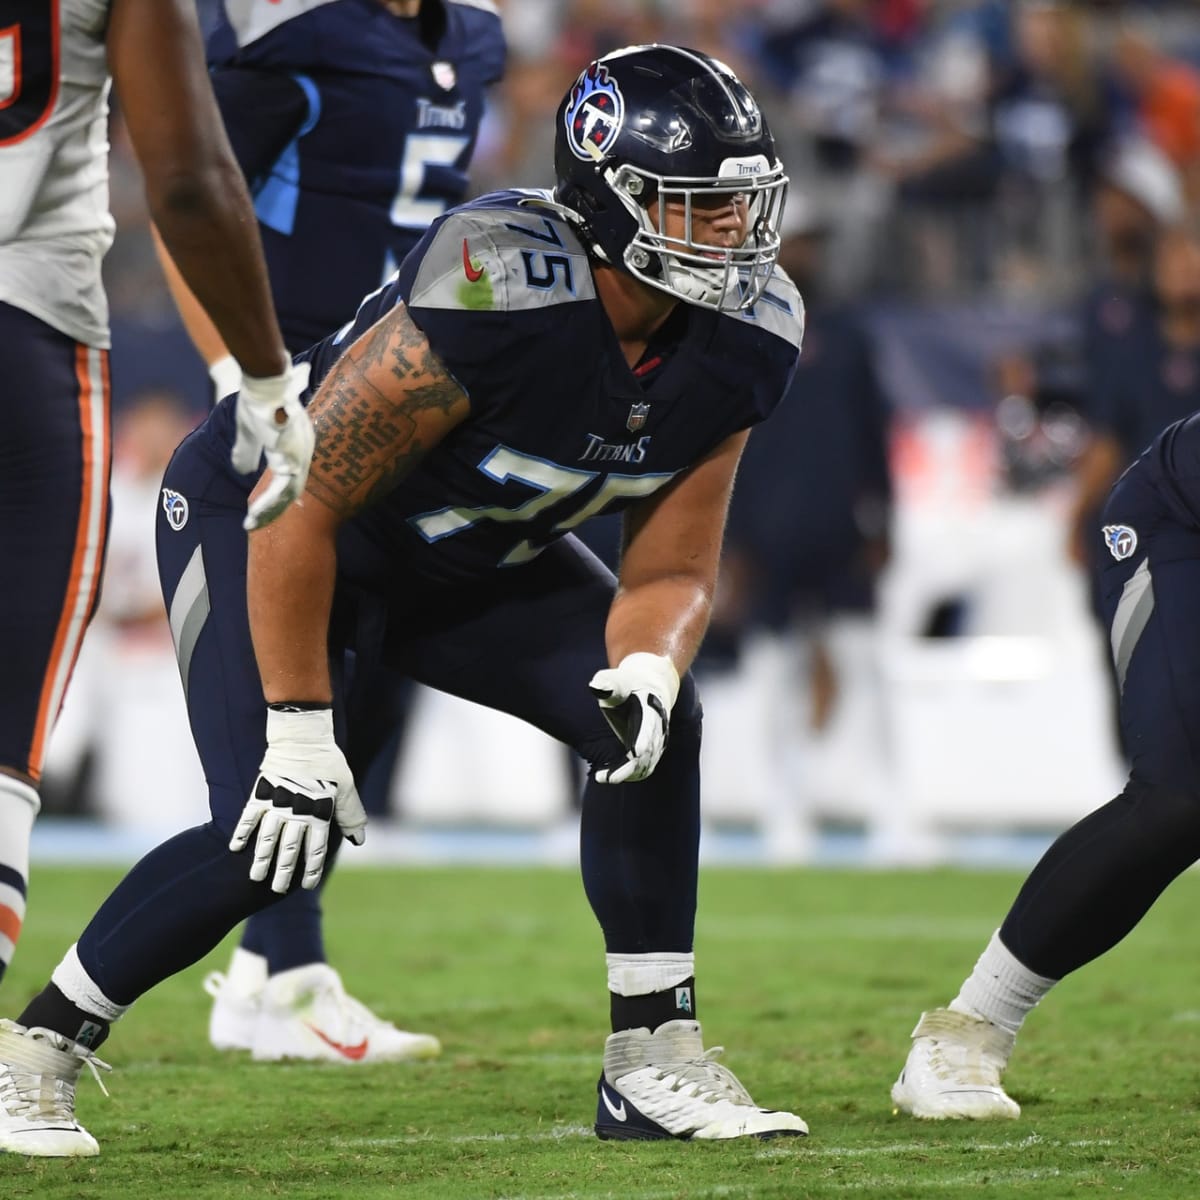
[[672, 125]]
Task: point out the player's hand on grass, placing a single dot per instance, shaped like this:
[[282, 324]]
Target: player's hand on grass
[[636, 697], [272, 421], [304, 784]]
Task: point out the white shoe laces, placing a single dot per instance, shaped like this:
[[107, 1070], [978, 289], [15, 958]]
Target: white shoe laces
[[43, 1095], [705, 1079]]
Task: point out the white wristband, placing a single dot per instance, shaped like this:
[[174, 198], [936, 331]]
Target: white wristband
[[307, 727]]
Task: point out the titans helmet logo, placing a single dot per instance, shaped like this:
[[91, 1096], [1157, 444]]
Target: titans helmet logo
[[593, 114], [1121, 541], [176, 508]]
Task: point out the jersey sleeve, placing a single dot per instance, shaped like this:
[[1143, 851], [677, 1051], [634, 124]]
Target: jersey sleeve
[[263, 111]]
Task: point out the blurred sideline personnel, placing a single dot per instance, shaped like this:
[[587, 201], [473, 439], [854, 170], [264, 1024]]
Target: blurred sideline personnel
[[55, 229], [354, 123], [1138, 329], [826, 454], [1098, 880], [531, 365]]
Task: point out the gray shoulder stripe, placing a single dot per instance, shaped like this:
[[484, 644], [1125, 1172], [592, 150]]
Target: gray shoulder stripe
[[779, 310], [502, 261], [189, 611]]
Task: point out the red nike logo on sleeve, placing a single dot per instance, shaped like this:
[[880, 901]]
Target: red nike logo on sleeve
[[473, 273]]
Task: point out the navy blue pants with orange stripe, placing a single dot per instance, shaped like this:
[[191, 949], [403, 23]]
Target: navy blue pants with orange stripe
[[55, 460]]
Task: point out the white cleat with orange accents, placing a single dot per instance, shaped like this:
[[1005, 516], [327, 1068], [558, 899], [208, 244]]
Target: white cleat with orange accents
[[305, 1013]]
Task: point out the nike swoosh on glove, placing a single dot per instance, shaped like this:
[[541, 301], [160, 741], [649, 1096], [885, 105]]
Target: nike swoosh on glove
[[636, 697], [271, 421], [304, 784]]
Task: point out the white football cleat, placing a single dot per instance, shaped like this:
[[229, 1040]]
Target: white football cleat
[[237, 1001], [666, 1085], [305, 1013], [38, 1072], [954, 1068]]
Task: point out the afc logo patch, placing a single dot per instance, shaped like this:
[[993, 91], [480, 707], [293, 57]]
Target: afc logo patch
[[1121, 541], [176, 508], [594, 114]]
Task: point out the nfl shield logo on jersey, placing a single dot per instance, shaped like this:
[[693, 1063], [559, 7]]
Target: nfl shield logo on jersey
[[637, 417], [1122, 541], [444, 75], [176, 508]]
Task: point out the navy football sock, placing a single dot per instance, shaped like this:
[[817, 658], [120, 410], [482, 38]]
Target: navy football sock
[[50, 1009], [650, 1011]]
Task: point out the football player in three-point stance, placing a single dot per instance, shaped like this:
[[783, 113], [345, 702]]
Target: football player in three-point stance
[[354, 124], [540, 358], [55, 229], [1100, 878]]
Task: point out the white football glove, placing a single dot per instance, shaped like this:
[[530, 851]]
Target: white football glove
[[636, 697], [303, 784], [272, 421]]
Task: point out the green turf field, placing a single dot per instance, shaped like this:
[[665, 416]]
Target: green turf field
[[811, 979]]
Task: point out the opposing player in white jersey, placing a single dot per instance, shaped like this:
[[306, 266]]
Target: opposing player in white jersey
[[55, 67]]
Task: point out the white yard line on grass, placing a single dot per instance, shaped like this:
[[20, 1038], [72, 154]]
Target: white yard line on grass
[[792, 1148]]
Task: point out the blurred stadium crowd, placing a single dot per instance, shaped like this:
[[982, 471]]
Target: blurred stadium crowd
[[991, 220]]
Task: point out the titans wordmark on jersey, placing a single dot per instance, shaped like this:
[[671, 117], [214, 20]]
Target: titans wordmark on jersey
[[560, 429], [355, 128]]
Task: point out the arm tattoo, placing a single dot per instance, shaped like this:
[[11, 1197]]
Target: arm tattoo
[[385, 404]]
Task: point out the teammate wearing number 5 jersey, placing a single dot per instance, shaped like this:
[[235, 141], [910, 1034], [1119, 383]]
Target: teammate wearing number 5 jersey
[[354, 122], [539, 359], [55, 62]]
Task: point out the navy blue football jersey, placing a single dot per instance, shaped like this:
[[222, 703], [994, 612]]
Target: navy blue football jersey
[[560, 427], [355, 128]]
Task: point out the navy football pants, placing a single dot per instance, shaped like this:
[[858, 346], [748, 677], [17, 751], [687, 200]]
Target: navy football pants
[[524, 640], [55, 459], [1099, 879]]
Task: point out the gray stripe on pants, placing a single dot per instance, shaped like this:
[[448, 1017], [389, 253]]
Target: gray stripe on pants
[[189, 611], [1133, 611]]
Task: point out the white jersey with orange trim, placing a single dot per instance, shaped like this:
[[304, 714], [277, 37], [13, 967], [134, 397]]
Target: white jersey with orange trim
[[55, 227]]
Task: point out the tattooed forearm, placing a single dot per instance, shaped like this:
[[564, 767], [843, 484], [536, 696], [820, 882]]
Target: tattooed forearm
[[385, 404]]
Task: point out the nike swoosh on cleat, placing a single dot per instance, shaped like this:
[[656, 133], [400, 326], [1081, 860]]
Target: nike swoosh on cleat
[[473, 273], [354, 1053], [619, 1111]]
